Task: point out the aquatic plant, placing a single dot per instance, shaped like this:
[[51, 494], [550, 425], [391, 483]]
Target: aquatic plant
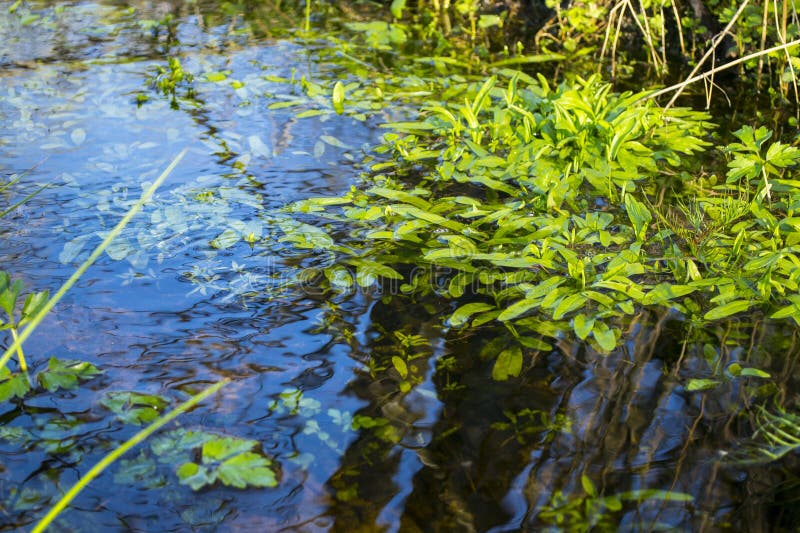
[[515, 205], [543, 209]]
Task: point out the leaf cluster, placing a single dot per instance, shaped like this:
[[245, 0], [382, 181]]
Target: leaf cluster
[[534, 207]]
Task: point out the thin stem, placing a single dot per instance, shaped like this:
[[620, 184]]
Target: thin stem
[[16, 205], [680, 86], [714, 43], [23, 365], [106, 461], [763, 44]]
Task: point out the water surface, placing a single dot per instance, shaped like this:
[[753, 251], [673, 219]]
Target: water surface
[[174, 307]]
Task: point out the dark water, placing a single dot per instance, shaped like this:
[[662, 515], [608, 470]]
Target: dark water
[[169, 314]]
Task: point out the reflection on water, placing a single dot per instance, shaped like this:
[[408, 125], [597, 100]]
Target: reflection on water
[[182, 301]]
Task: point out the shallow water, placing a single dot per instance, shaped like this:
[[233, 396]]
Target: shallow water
[[169, 310]]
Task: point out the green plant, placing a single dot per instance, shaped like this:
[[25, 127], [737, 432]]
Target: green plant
[[535, 208], [527, 423], [507, 204], [33, 304], [119, 451], [170, 80], [592, 511], [232, 461]]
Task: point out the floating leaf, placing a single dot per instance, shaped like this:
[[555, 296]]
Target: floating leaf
[[216, 76], [232, 461], [247, 469], [13, 384], [195, 476], [220, 448], [134, 407], [333, 141], [66, 374], [337, 99], [319, 149], [226, 239]]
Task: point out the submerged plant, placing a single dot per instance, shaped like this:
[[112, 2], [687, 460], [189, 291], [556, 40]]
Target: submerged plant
[[593, 511]]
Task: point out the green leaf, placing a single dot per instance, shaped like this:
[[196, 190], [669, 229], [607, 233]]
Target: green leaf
[[33, 304], [655, 494], [464, 313], [409, 127], [195, 476], [487, 21], [508, 364], [13, 384], [402, 196], [568, 304], [8, 298], [226, 239], [639, 216], [582, 325], [216, 76], [247, 469], [221, 448], [701, 384], [604, 336], [133, 407], [518, 308], [337, 99], [754, 373], [730, 308], [792, 310], [400, 366], [397, 8], [588, 486], [664, 292], [66, 374]]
